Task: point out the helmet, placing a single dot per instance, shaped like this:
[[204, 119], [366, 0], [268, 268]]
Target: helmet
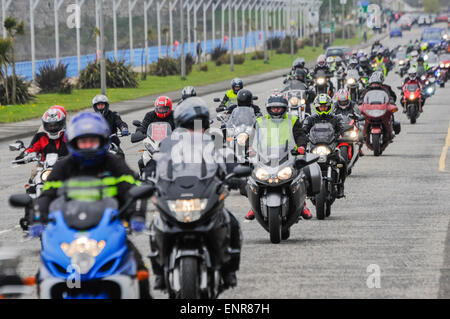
[[190, 111], [420, 59], [330, 60], [100, 99], [376, 77], [414, 54], [354, 53], [59, 107], [244, 98], [300, 75], [412, 74], [323, 99], [163, 107], [54, 123], [188, 92], [353, 62], [380, 51], [236, 85], [88, 124], [321, 60], [277, 100], [360, 54], [298, 63], [363, 60], [342, 98], [338, 60]]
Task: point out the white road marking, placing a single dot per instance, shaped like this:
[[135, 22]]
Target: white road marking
[[444, 152]]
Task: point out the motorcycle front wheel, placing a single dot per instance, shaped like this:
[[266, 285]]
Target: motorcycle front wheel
[[321, 202], [189, 283], [376, 143], [274, 225]]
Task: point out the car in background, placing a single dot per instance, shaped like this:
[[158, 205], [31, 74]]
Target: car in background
[[396, 32], [442, 18], [431, 37], [405, 22], [424, 19], [334, 52]]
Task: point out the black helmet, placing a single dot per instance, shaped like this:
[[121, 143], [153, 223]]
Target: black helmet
[[300, 75], [190, 111], [244, 98], [187, 92], [277, 100], [298, 63], [420, 59], [237, 84]]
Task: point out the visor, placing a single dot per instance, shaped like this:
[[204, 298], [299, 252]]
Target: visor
[[54, 127]]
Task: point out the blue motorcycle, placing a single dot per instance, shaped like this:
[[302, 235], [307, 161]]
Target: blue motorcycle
[[84, 253]]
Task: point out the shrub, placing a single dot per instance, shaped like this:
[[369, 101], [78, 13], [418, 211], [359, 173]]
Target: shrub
[[118, 75], [53, 79], [22, 94], [218, 52], [274, 43], [305, 42], [338, 33], [225, 59], [190, 61], [259, 55], [204, 67], [164, 67], [286, 46]]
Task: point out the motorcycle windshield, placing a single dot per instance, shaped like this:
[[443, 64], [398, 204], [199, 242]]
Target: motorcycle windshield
[[322, 133], [190, 157], [432, 58], [353, 74], [296, 85], [321, 74], [412, 87], [274, 156], [242, 115], [51, 159], [376, 97], [274, 134], [158, 131]]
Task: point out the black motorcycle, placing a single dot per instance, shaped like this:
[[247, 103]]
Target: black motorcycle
[[322, 83], [189, 237], [323, 142]]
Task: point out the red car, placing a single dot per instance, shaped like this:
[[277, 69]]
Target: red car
[[442, 18]]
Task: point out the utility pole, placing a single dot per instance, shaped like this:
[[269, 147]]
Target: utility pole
[[183, 62], [33, 5], [131, 5], [116, 5], [102, 49], [230, 25], [56, 7], [79, 4]]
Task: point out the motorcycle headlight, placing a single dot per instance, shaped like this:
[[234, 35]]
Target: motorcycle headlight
[[412, 96], [321, 81], [293, 101], [442, 65], [45, 174], [302, 101], [321, 150], [447, 65], [83, 245], [351, 81], [430, 90], [187, 210], [285, 173], [423, 77], [375, 113], [242, 139], [364, 80], [401, 62], [262, 174]]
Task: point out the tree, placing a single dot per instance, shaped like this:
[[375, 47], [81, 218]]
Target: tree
[[5, 47], [14, 28], [431, 6]]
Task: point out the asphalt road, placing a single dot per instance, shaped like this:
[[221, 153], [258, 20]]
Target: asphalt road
[[393, 222]]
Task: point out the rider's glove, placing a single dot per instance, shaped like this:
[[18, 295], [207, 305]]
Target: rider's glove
[[301, 150], [125, 132], [36, 230], [137, 224]]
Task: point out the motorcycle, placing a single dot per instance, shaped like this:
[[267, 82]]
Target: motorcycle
[[429, 84], [279, 185], [340, 77], [412, 101], [12, 285], [84, 244], [156, 132], [297, 95], [379, 125], [350, 151], [323, 142], [353, 85], [322, 83], [192, 225]]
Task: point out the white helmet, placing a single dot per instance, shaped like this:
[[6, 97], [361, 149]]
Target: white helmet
[[54, 123]]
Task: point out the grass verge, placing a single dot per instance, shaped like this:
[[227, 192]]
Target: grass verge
[[81, 99]]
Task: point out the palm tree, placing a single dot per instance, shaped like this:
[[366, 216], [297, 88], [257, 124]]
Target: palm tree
[[166, 33], [13, 28], [5, 46]]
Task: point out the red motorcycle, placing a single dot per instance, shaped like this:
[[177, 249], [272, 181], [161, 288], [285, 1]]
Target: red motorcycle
[[379, 124], [412, 101]]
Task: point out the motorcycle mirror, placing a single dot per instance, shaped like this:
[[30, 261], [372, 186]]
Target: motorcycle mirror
[[137, 123], [242, 171], [216, 99], [211, 121], [399, 87], [255, 98], [15, 147], [137, 137], [140, 192], [20, 200]]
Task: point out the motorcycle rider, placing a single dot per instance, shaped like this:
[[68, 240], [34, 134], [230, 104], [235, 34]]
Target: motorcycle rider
[[301, 76], [231, 95], [193, 117], [50, 140], [161, 113], [88, 139], [354, 65], [412, 78], [245, 98], [421, 66], [322, 66], [380, 61], [365, 65], [299, 64], [187, 92], [324, 107], [100, 104], [277, 106]]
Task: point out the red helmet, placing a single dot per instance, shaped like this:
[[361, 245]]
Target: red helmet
[[59, 107], [163, 106]]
